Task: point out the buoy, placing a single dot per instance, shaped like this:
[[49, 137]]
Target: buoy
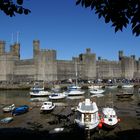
[[119, 120], [100, 125], [102, 120]]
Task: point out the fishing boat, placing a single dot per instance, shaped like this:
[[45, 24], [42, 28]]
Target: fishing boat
[[109, 118], [8, 108], [47, 106], [20, 110], [97, 91], [56, 96], [87, 114]]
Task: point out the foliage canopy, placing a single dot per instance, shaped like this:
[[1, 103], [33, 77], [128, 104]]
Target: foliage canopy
[[119, 12], [9, 7]]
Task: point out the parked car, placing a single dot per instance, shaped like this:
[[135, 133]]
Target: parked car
[[20, 110]]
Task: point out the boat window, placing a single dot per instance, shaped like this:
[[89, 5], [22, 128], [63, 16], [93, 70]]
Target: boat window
[[87, 117]]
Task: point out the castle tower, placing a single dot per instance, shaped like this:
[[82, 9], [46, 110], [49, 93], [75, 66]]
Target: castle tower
[[89, 63], [120, 55], [2, 47], [15, 49], [88, 50], [36, 47]]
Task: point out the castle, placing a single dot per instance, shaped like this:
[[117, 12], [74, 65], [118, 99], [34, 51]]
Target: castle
[[44, 66]]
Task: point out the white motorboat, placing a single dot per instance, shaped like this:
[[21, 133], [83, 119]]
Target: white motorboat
[[94, 87], [8, 108], [74, 92], [37, 87], [76, 97], [39, 93], [111, 86], [97, 91], [74, 87], [87, 114], [109, 118], [127, 86], [39, 99], [56, 96], [47, 106]]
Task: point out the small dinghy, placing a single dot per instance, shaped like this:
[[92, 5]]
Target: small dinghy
[[6, 120], [47, 106], [8, 108], [20, 110]]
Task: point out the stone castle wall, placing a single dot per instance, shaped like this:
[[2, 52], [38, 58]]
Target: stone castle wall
[[45, 66]]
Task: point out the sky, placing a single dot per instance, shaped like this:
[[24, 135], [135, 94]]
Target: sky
[[66, 28]]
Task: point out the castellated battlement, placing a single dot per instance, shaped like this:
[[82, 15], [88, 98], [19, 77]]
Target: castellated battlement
[[45, 66]]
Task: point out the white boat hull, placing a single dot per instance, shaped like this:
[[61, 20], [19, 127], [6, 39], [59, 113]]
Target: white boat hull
[[99, 91], [47, 107], [39, 93], [110, 119], [57, 96], [75, 93]]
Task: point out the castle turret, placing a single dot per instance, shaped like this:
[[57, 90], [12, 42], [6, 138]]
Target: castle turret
[[15, 49], [120, 55], [36, 47], [88, 51], [2, 47]]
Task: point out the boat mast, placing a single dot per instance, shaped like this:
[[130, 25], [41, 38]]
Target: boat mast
[[76, 72]]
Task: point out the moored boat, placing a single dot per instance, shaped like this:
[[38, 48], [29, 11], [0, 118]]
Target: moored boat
[[127, 86], [87, 114], [20, 110], [74, 92], [6, 120], [56, 96], [97, 91], [38, 93], [109, 118], [47, 106], [8, 108]]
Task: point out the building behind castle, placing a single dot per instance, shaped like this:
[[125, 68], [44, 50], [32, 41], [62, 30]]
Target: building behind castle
[[45, 66]]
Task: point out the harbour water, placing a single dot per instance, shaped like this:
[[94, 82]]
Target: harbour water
[[62, 116]]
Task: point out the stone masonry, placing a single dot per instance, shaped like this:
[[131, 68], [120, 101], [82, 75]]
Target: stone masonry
[[44, 66]]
